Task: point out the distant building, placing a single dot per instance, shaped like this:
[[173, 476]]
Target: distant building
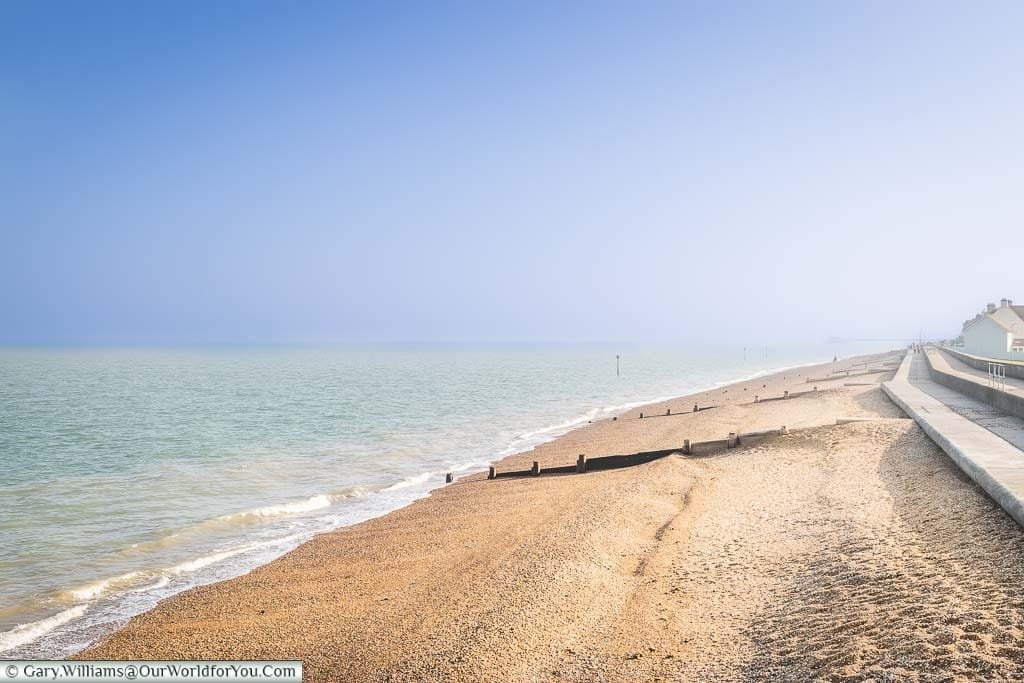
[[996, 332]]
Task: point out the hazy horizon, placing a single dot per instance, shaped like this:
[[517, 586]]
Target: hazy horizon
[[267, 173]]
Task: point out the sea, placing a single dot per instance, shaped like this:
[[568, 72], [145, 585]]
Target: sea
[[130, 474]]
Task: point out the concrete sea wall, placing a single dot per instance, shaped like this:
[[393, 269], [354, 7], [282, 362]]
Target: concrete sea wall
[[1012, 404]]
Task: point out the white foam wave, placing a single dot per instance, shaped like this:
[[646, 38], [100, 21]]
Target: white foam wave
[[26, 633], [317, 502], [414, 480], [207, 560], [469, 465], [608, 411], [561, 426], [308, 505], [98, 588], [156, 585], [534, 438]]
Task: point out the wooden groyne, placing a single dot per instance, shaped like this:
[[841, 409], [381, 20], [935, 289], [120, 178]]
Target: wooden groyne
[[689, 448], [786, 395], [697, 408], [839, 374], [612, 462]]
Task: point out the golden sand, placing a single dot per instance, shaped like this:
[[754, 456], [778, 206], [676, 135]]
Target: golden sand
[[852, 551]]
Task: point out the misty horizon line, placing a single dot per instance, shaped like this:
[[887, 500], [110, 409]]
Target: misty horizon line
[[755, 347]]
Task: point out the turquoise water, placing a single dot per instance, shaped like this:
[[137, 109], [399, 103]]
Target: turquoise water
[[131, 474]]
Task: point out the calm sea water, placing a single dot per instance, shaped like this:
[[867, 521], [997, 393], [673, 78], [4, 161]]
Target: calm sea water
[[131, 474]]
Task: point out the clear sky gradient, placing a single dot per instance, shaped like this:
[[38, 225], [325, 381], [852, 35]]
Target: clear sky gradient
[[217, 172]]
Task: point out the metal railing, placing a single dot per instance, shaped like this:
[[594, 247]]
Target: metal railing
[[997, 376]]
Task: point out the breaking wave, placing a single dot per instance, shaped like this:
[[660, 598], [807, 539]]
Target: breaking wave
[[26, 633]]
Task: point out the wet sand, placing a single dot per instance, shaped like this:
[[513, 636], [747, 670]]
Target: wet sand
[[836, 552]]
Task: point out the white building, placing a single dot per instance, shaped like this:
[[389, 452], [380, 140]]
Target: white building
[[996, 332]]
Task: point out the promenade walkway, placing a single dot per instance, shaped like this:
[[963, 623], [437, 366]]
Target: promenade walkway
[[986, 444], [1008, 427], [954, 365]]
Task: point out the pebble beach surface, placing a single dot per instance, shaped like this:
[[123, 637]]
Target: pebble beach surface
[[855, 551]]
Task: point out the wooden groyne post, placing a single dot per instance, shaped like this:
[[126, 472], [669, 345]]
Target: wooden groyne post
[[535, 470], [490, 472], [581, 463], [448, 478]]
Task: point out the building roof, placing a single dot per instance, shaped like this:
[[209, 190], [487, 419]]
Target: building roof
[[1009, 317], [1002, 316]]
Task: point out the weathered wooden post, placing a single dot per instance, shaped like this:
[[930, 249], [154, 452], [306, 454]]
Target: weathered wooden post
[[581, 463], [491, 473], [732, 440], [686, 447], [448, 478], [641, 416], [695, 409], [783, 431], [668, 411], [785, 394], [757, 399], [615, 418], [535, 470]]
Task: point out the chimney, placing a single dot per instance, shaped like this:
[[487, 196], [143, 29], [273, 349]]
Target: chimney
[[990, 308]]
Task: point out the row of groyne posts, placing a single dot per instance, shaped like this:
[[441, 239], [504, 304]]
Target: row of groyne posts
[[888, 366], [699, 408], [838, 374], [611, 462]]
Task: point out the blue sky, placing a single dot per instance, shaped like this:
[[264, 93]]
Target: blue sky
[[196, 172]]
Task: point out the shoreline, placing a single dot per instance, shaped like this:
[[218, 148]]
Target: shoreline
[[841, 549], [577, 423], [837, 550], [742, 390], [53, 625]]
